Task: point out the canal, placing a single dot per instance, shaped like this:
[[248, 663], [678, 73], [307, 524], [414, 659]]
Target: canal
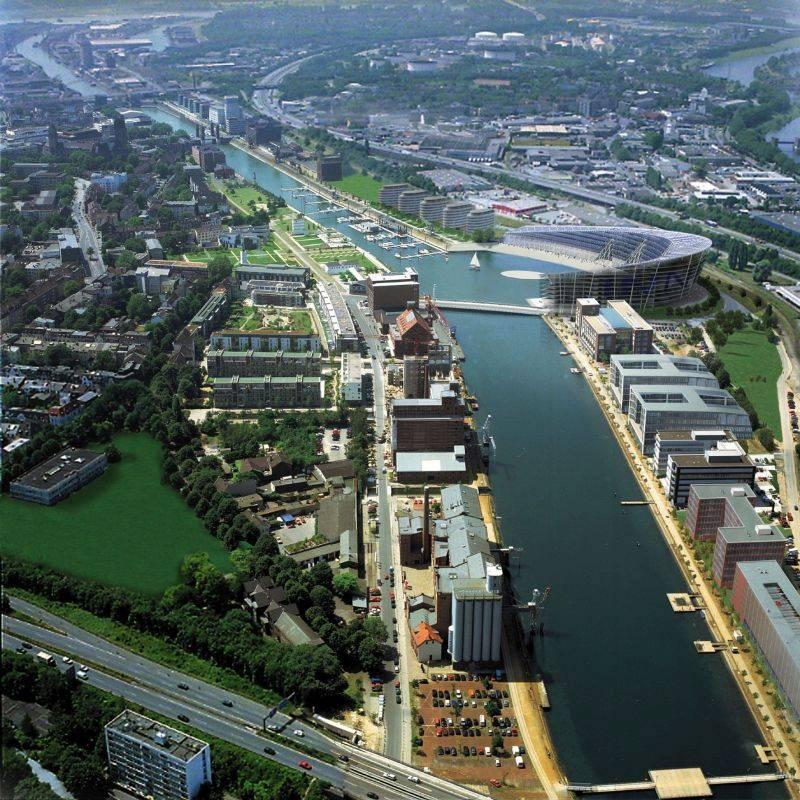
[[628, 691]]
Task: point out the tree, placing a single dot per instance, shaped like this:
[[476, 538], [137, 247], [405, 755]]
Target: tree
[[112, 454], [345, 585], [138, 307], [766, 437], [105, 360]]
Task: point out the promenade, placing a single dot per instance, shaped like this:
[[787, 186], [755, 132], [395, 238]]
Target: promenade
[[740, 664]]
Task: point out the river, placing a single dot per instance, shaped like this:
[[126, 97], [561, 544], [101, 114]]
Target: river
[[628, 691], [743, 68]]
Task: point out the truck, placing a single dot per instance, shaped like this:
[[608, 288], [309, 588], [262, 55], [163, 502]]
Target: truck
[[45, 657]]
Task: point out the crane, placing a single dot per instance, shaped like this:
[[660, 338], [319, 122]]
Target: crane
[[535, 610]]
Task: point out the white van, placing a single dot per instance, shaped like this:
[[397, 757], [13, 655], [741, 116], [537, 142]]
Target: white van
[[487, 751], [520, 762], [482, 721]]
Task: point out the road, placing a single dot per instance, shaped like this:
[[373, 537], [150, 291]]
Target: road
[[155, 687], [87, 237], [787, 383], [397, 717]]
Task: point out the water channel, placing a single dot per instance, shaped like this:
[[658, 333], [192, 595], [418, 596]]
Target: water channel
[[628, 691]]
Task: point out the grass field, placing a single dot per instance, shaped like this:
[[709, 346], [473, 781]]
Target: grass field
[[240, 196], [362, 186], [754, 364], [125, 529]]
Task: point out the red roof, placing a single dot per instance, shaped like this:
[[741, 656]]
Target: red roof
[[412, 318], [425, 633]]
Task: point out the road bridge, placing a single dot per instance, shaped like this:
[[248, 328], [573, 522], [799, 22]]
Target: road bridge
[[492, 308]]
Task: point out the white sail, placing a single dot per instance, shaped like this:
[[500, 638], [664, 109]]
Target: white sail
[[474, 264]]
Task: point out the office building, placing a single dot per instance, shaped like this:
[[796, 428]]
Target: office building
[[431, 209], [409, 201], [151, 759], [657, 369], [392, 292], [234, 115], [750, 540], [267, 392], [355, 380], [329, 168], [685, 443], [254, 364], [769, 608], [59, 476], [615, 328], [263, 131], [455, 214], [389, 194], [415, 377], [714, 506], [479, 219], [724, 463], [662, 408]]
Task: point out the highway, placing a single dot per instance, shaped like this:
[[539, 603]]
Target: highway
[[87, 237], [155, 687]]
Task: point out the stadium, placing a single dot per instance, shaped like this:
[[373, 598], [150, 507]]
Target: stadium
[[645, 266]]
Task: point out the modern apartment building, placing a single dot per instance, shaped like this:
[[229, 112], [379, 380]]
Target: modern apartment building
[[153, 760], [389, 194], [257, 363], [455, 215], [273, 272], [769, 607], [267, 392], [355, 380], [431, 209], [479, 219], [714, 506], [59, 476], [265, 339], [747, 539], [275, 293], [684, 443], [725, 463], [657, 369], [409, 201], [663, 408], [340, 330]]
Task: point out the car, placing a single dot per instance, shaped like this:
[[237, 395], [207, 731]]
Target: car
[[183, 686], [343, 757], [440, 751], [297, 732], [269, 751], [398, 699], [304, 764], [183, 718], [27, 645], [66, 659], [83, 674], [496, 783], [413, 778], [272, 727], [20, 649], [372, 796], [465, 750], [390, 776]]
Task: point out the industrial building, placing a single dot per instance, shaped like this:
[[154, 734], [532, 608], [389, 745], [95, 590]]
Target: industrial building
[[392, 292], [725, 462], [267, 392], [769, 608], [604, 331], [151, 759], [661, 408], [644, 266], [685, 443], [59, 476], [714, 506], [477, 618], [662, 370], [431, 423], [257, 363], [415, 377], [418, 468]]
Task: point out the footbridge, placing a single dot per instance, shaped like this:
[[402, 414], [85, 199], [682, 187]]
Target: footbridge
[[491, 308], [676, 783]]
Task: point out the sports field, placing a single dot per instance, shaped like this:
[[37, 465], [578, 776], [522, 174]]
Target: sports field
[[125, 529], [754, 364], [362, 186]]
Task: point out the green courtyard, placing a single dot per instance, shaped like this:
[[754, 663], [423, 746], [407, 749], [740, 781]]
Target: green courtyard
[[362, 186], [753, 363], [125, 529]]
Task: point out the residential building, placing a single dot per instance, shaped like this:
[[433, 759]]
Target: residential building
[[211, 313], [151, 759], [265, 339], [409, 201], [355, 380], [257, 363], [750, 540], [656, 369], [455, 215], [329, 168], [262, 131], [662, 408], [769, 608], [614, 328], [389, 194], [275, 293], [59, 476], [243, 273], [479, 219], [267, 392], [340, 330], [683, 443], [714, 506], [431, 209], [427, 643], [725, 463]]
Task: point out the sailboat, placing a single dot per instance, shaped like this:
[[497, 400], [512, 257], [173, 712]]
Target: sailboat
[[475, 264]]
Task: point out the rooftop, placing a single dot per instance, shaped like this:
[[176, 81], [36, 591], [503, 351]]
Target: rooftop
[[659, 365], [685, 398], [59, 467], [432, 462], [157, 735]]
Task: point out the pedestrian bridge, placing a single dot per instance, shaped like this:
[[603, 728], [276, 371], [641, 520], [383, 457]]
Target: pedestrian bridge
[[491, 308], [676, 783]]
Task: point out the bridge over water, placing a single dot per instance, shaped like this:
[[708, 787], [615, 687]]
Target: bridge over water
[[491, 308]]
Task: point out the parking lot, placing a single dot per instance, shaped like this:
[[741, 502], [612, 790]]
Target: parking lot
[[334, 450], [457, 717]]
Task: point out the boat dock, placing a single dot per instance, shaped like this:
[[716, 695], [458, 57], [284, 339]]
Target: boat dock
[[670, 784], [544, 700], [636, 502], [682, 602], [705, 647]]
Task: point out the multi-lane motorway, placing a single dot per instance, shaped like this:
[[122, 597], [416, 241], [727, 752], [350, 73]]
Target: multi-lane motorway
[[157, 688]]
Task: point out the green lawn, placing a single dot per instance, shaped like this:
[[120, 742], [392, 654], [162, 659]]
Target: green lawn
[[754, 364], [362, 186], [125, 529]]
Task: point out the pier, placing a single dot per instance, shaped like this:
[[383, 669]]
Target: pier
[[491, 308], [636, 502], [675, 783]]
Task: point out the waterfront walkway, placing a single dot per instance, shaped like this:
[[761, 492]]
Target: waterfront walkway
[[491, 308]]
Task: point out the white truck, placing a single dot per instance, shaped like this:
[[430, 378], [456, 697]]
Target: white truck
[[45, 657]]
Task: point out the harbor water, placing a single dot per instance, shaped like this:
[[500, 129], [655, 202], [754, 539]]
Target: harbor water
[[628, 691]]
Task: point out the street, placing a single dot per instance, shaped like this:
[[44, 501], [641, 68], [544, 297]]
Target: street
[[87, 238]]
